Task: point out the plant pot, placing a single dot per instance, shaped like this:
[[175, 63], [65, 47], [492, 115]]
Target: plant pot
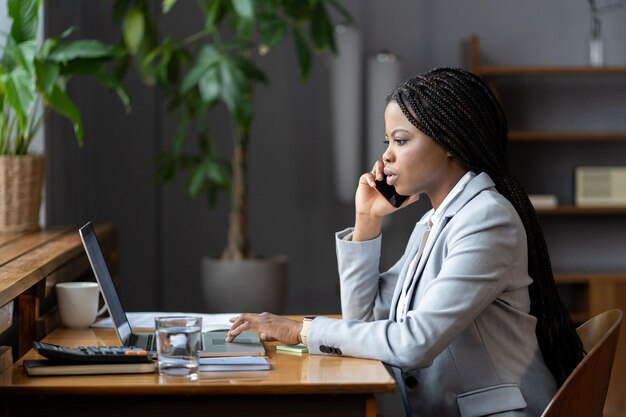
[[21, 182], [249, 285]]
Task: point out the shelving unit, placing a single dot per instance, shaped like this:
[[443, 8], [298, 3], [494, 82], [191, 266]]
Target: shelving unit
[[585, 293], [521, 136], [564, 210]]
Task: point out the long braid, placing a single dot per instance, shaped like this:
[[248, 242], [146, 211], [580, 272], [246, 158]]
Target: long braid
[[459, 111]]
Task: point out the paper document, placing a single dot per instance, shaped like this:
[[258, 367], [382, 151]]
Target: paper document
[[145, 320], [238, 363]]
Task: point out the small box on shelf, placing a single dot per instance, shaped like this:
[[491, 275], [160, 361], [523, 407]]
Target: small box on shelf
[[601, 186]]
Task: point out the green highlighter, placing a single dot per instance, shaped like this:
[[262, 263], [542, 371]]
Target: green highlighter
[[299, 348]]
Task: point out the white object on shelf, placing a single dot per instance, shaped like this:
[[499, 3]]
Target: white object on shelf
[[543, 201]]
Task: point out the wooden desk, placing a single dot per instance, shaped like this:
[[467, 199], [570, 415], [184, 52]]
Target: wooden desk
[[297, 385], [31, 264]]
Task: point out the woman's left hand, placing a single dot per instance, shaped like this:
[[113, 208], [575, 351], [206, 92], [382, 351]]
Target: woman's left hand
[[269, 326]]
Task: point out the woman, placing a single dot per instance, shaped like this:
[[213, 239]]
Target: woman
[[469, 318]]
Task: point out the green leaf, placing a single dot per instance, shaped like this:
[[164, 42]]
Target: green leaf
[[167, 5], [217, 174], [146, 71], [209, 86], [67, 32], [89, 48], [163, 65], [47, 47], [81, 67], [272, 31], [249, 69], [133, 28], [296, 9], [244, 28], [234, 84], [303, 52], [21, 95], [322, 30], [24, 55], [112, 83], [47, 75], [244, 113], [7, 63], [197, 180], [207, 58], [181, 128], [25, 16], [60, 102], [212, 15], [244, 8]]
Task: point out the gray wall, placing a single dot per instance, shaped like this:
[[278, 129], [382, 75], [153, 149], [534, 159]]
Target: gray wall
[[163, 234]]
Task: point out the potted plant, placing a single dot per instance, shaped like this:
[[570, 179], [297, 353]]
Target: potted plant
[[34, 77], [217, 65]]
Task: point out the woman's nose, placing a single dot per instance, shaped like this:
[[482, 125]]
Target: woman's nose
[[387, 154]]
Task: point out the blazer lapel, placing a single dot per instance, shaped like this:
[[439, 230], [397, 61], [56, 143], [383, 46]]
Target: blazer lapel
[[479, 183]]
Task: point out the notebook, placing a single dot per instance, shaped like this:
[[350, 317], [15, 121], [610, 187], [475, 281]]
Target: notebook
[[212, 343]]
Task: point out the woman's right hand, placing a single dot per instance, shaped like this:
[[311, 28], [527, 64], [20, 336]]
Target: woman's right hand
[[370, 205], [368, 201]]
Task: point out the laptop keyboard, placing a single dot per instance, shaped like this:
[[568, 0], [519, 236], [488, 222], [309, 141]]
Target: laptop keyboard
[[146, 341]]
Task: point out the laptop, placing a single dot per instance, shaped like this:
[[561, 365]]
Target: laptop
[[212, 343]]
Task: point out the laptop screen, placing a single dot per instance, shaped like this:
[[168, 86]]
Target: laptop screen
[[101, 271]]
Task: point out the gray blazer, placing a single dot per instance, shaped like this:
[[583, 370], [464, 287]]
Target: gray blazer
[[467, 346]]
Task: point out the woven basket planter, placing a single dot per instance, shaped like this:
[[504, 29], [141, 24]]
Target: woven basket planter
[[21, 181]]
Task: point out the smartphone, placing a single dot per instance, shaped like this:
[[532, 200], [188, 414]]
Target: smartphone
[[389, 192]]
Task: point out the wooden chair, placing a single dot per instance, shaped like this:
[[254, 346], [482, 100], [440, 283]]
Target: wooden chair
[[584, 392]]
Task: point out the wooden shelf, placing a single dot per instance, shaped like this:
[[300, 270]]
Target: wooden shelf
[[581, 211], [585, 278], [494, 71], [534, 136]]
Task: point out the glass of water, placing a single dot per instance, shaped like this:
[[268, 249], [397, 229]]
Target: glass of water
[[178, 342]]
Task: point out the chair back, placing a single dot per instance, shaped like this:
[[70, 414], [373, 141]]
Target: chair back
[[584, 392]]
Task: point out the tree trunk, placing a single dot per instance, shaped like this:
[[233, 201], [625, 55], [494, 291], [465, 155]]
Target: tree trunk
[[238, 244]]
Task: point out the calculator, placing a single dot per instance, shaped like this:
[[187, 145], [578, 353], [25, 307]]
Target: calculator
[[92, 354]]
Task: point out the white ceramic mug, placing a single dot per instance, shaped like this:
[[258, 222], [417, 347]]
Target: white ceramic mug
[[78, 303]]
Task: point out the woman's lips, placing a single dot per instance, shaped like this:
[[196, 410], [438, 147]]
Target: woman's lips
[[391, 176]]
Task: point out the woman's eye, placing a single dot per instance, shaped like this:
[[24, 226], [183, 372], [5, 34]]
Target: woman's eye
[[400, 142]]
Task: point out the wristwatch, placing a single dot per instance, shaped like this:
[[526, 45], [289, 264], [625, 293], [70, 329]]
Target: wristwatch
[[304, 333]]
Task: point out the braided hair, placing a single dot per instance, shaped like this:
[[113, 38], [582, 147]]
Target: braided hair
[[460, 113]]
